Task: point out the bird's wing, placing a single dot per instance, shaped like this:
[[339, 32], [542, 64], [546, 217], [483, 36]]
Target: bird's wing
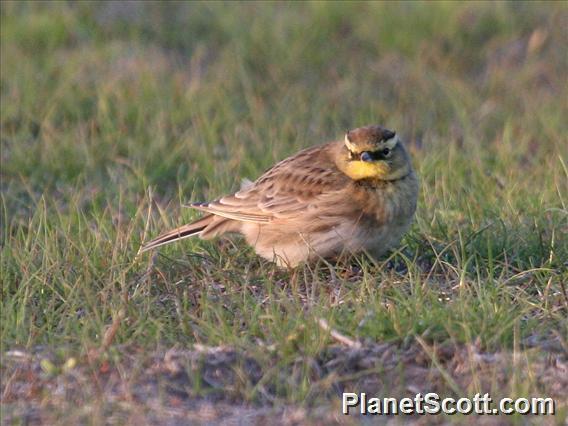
[[294, 186]]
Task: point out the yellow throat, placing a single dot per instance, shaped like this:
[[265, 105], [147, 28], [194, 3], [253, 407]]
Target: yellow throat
[[357, 170]]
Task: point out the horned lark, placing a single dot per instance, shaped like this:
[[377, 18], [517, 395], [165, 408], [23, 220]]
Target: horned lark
[[354, 195]]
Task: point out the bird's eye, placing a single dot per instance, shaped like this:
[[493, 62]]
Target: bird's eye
[[366, 156], [386, 152]]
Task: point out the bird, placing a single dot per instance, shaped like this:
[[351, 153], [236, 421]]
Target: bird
[[356, 194]]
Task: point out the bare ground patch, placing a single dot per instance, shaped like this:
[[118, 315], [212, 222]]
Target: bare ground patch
[[224, 385]]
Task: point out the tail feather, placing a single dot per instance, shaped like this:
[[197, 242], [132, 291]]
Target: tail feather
[[185, 231]]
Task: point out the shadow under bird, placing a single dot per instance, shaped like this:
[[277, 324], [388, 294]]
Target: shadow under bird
[[353, 195]]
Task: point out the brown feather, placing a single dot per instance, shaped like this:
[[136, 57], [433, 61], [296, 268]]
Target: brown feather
[[185, 231]]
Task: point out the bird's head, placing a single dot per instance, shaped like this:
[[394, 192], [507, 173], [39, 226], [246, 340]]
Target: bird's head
[[373, 152]]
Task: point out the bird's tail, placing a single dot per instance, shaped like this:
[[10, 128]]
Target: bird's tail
[[185, 231]]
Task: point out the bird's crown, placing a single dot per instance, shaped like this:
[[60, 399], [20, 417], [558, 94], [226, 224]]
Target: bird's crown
[[370, 138]]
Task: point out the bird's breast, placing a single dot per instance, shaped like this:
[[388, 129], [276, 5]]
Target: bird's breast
[[389, 202]]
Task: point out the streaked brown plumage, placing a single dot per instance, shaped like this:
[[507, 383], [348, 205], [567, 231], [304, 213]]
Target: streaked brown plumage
[[346, 196]]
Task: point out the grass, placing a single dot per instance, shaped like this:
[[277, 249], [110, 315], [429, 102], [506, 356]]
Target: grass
[[114, 114]]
